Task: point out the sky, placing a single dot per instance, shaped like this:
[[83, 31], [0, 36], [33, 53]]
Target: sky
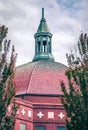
[[65, 18]]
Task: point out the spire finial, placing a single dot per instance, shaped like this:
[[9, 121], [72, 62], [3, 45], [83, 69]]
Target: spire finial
[[42, 12]]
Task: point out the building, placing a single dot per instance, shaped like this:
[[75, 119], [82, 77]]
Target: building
[[38, 87]]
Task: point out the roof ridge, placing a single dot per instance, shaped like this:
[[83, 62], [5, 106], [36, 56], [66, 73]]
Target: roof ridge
[[30, 78]]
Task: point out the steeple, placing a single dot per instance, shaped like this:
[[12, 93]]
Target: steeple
[[42, 12], [43, 41], [43, 27]]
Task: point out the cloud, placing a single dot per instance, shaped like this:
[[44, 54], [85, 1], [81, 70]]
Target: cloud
[[65, 20]]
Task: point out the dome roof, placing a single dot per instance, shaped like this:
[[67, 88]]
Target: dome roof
[[43, 75], [40, 78]]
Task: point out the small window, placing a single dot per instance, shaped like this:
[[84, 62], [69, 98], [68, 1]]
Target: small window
[[22, 126], [61, 128], [40, 128]]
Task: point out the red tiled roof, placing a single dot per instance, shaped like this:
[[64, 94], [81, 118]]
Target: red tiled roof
[[42, 77]]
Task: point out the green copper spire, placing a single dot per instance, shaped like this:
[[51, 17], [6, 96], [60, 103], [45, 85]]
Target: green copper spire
[[43, 41], [42, 12], [43, 27]]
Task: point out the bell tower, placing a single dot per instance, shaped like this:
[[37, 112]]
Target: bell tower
[[43, 41]]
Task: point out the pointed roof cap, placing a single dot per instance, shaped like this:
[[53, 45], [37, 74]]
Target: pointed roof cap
[[43, 27]]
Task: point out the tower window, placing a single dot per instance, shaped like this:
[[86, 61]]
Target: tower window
[[40, 128], [44, 46], [61, 128], [22, 126], [39, 48]]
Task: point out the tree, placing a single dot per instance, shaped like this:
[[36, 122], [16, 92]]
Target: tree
[[75, 98], [8, 106]]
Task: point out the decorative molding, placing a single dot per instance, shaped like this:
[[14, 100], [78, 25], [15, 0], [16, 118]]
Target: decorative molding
[[29, 113], [17, 112], [23, 112], [61, 115], [40, 114], [51, 115]]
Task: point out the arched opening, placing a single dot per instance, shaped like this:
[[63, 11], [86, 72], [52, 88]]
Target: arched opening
[[49, 47], [44, 46], [39, 48]]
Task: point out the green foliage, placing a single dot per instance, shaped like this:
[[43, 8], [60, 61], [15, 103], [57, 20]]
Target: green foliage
[[7, 85], [75, 99]]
